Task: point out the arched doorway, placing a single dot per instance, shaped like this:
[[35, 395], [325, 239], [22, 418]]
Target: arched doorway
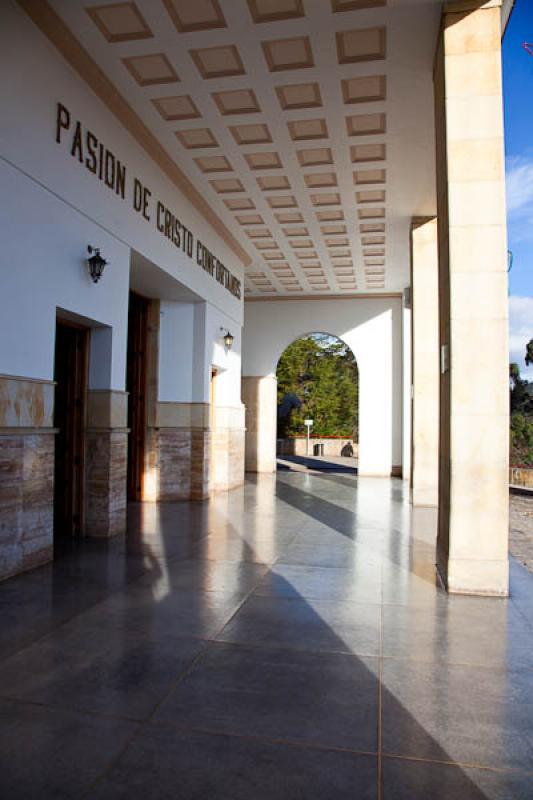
[[318, 383]]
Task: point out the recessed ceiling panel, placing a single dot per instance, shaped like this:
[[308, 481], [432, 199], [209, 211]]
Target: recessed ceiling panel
[[364, 176], [289, 217], [251, 134], [315, 156], [249, 219], [330, 216], [150, 70], [372, 227], [370, 196], [258, 161], [259, 233], [303, 129], [365, 89], [218, 62], [196, 138], [317, 180], [372, 240], [360, 153], [299, 95], [365, 124], [239, 203], [303, 231], [282, 201], [227, 185], [240, 101], [213, 164], [363, 44], [370, 213], [275, 10], [176, 108], [284, 54], [195, 15], [326, 199], [120, 22], [273, 182]]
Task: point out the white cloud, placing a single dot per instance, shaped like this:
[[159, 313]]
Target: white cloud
[[519, 183], [520, 331]]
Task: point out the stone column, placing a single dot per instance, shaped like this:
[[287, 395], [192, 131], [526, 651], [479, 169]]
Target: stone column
[[106, 462], [406, 384], [227, 448], [26, 474], [259, 395], [425, 362], [474, 425]]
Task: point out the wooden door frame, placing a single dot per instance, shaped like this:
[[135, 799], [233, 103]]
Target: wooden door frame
[[135, 492], [80, 489]]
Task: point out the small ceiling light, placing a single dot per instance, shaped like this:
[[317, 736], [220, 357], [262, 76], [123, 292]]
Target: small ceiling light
[[228, 340], [96, 264]]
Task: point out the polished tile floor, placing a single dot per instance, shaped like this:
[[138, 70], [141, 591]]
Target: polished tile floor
[[286, 640]]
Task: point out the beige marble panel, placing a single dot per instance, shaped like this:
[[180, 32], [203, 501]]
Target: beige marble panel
[[105, 482], [227, 458], [107, 408], [26, 403], [182, 415], [26, 502]]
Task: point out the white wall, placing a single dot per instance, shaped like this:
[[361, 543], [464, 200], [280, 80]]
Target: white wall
[[372, 328], [52, 207], [176, 352], [190, 344], [41, 268]]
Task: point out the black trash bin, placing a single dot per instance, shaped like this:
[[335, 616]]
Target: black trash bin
[[318, 449]]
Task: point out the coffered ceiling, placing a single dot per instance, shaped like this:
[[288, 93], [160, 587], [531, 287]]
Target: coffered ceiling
[[307, 125]]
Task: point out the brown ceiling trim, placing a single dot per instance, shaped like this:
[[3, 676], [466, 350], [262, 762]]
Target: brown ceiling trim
[[49, 23], [360, 296]]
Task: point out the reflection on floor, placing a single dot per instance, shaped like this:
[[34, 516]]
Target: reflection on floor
[[286, 640]]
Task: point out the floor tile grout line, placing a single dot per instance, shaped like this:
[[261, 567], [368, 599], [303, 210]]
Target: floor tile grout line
[[148, 723], [111, 763], [200, 655]]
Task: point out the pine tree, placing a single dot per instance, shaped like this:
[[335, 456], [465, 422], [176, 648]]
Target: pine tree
[[322, 372]]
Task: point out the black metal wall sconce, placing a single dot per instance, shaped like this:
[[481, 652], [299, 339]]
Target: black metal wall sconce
[[95, 263], [227, 338]]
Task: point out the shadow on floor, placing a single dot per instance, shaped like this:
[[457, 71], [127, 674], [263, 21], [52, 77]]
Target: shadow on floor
[[187, 669]]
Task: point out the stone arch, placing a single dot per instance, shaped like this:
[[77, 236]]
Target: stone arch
[[372, 329], [331, 336]]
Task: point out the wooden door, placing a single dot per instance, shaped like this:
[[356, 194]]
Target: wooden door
[[70, 375], [136, 386]]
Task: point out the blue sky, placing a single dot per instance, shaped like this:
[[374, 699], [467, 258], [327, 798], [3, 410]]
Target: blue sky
[[518, 99]]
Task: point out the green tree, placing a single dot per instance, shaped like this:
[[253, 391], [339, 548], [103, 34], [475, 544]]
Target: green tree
[[322, 372]]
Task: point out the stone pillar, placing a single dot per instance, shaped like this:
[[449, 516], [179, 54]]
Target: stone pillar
[[425, 362], [106, 462], [26, 474], [406, 385], [259, 395], [474, 425], [227, 448]]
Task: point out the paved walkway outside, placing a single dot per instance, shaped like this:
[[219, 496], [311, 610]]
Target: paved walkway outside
[[317, 463], [285, 641], [521, 529]]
